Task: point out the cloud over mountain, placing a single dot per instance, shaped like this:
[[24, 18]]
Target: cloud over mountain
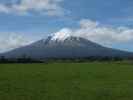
[[96, 32]]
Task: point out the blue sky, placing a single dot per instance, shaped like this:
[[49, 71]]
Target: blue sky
[[35, 19]]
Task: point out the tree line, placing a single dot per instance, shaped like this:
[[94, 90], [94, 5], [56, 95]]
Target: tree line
[[25, 59], [22, 59]]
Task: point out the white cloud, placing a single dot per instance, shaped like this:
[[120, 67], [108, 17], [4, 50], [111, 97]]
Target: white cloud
[[62, 34], [49, 7], [4, 9], [13, 41], [85, 23], [93, 31]]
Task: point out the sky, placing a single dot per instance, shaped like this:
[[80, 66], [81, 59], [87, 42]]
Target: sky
[[107, 22]]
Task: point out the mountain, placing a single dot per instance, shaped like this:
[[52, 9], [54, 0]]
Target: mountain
[[68, 47]]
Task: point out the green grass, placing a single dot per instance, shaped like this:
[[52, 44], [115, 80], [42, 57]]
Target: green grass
[[66, 81]]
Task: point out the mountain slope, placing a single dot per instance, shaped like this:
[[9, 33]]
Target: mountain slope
[[69, 47]]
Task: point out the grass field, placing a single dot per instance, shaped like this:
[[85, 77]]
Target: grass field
[[66, 81]]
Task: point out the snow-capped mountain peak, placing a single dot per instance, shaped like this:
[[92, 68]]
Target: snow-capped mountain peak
[[61, 35], [71, 47]]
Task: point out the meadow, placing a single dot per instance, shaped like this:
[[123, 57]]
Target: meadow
[[67, 81]]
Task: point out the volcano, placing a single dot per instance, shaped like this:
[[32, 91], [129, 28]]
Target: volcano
[[68, 47]]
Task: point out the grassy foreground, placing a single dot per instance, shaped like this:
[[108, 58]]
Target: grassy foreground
[[66, 81]]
